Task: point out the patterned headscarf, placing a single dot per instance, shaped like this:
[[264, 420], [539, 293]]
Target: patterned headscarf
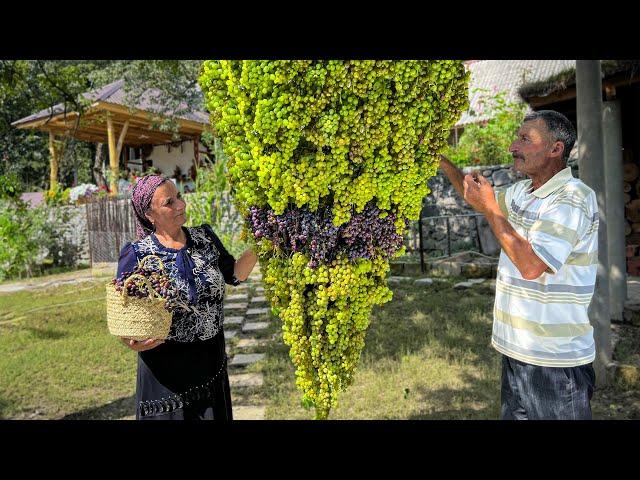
[[141, 197]]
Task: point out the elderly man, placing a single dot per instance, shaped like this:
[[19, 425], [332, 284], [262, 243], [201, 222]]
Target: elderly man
[[547, 227]]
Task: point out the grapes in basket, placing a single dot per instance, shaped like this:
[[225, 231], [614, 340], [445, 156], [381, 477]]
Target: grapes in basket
[[143, 277]]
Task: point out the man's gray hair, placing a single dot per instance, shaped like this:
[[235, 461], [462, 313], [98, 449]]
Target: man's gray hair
[[559, 126]]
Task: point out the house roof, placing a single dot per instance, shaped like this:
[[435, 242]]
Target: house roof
[[109, 104], [616, 72], [115, 93], [509, 76]]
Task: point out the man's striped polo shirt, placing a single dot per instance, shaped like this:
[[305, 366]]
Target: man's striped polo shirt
[[544, 321]]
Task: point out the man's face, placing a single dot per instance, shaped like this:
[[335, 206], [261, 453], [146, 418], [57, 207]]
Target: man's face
[[532, 148]]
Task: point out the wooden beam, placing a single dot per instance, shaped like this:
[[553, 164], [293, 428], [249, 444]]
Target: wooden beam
[[53, 162], [94, 117], [123, 134], [132, 137], [618, 80], [553, 98], [113, 159], [142, 114]]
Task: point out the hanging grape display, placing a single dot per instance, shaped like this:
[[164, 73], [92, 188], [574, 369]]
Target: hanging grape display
[[329, 160]]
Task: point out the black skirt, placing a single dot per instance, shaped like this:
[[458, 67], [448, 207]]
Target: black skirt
[[184, 381]]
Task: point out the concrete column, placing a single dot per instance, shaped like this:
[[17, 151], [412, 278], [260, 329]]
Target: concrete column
[[612, 138], [592, 172]]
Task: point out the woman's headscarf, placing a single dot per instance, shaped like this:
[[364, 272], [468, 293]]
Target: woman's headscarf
[[141, 197]]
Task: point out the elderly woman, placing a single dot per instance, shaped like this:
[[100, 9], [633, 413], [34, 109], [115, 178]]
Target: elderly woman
[[185, 376]]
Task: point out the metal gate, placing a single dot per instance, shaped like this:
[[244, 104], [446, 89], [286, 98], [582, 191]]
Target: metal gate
[[110, 225]]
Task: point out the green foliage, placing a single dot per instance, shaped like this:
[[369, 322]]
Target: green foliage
[[10, 186], [211, 202], [57, 196], [32, 240], [487, 143]]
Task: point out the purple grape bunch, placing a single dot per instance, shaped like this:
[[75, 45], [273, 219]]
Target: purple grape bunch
[[366, 235], [137, 288]]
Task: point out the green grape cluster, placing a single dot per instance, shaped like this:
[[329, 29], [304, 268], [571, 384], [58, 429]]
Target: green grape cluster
[[325, 313], [336, 134]]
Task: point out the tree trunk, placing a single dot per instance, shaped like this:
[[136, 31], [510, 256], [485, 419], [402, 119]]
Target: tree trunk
[[98, 178]]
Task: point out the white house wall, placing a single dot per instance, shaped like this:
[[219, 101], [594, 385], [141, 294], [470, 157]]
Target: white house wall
[[166, 160]]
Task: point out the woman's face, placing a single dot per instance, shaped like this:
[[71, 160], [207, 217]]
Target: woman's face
[[167, 209]]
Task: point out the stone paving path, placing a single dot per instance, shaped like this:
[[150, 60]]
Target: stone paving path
[[246, 325]]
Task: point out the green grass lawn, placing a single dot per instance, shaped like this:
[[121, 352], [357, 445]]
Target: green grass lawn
[[56, 355], [427, 356]]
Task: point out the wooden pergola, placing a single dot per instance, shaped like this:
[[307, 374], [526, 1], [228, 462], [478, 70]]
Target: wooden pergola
[[108, 120]]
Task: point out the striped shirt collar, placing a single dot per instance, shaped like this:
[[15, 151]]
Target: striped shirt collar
[[554, 183]]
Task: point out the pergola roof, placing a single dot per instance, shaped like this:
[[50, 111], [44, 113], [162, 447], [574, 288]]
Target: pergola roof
[[110, 100]]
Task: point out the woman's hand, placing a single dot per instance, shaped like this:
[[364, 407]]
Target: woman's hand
[[141, 345]]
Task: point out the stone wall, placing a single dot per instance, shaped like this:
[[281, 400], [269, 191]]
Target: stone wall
[[74, 229], [445, 201]]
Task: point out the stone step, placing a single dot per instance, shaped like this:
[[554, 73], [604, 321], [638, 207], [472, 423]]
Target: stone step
[[251, 342], [258, 300], [241, 412], [228, 335], [243, 380], [398, 280], [233, 321], [236, 297], [235, 306], [259, 290], [244, 359], [255, 326], [257, 311]]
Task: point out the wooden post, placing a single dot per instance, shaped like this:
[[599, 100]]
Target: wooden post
[[113, 158], [123, 134], [53, 162], [593, 171], [196, 152]]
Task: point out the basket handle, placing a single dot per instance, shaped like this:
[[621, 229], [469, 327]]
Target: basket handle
[[142, 262], [150, 289]]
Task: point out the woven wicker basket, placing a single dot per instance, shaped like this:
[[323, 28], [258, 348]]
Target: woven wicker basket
[[137, 318]]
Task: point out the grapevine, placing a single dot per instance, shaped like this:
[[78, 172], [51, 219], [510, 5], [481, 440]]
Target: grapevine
[[328, 161]]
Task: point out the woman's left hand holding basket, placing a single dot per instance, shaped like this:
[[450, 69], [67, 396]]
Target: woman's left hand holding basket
[[141, 345]]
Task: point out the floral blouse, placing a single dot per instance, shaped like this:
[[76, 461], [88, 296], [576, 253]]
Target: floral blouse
[[199, 270]]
